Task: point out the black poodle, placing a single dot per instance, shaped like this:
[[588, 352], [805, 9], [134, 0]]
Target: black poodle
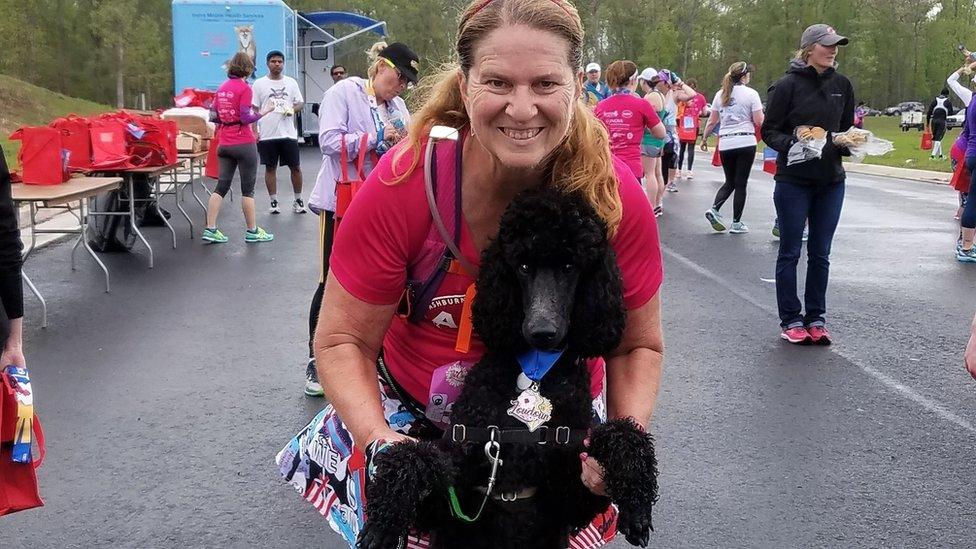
[[548, 282]]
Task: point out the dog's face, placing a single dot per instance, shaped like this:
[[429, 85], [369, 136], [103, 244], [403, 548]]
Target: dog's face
[[245, 33], [550, 279]]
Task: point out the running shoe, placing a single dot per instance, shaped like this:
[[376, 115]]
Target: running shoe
[[689, 174], [715, 219], [819, 334], [257, 235], [738, 227], [298, 206], [797, 336], [966, 256], [671, 188], [312, 386], [658, 211], [274, 207], [806, 234], [804, 238], [213, 235]]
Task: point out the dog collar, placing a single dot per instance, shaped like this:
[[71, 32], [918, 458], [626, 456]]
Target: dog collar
[[536, 364]]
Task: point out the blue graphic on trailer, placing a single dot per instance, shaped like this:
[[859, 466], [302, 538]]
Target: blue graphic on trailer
[[207, 34]]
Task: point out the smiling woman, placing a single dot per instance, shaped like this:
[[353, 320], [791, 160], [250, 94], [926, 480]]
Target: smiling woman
[[514, 97]]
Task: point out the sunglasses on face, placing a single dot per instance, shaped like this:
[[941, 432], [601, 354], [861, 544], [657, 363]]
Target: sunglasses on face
[[404, 81]]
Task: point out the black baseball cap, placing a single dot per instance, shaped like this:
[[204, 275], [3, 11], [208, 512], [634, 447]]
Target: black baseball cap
[[274, 53], [404, 59]]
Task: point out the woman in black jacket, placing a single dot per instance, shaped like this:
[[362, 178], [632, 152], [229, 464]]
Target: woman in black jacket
[[11, 286], [812, 94]]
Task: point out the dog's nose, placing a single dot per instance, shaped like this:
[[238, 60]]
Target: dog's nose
[[543, 337]]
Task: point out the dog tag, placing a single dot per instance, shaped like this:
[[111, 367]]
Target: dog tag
[[531, 408]]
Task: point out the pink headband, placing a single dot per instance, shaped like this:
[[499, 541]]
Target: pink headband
[[559, 3]]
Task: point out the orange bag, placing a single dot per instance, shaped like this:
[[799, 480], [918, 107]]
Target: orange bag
[[716, 158], [926, 140], [43, 159]]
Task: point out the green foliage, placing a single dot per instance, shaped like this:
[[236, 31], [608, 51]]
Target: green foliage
[[900, 50]]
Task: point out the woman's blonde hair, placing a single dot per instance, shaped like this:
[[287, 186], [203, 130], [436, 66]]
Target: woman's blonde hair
[[373, 54], [620, 73], [803, 54], [241, 65], [581, 163], [734, 76]]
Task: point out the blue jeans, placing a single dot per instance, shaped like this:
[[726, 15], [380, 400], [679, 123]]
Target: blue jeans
[[795, 206]]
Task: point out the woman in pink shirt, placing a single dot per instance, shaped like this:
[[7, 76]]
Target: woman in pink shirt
[[515, 100], [237, 149], [626, 116]]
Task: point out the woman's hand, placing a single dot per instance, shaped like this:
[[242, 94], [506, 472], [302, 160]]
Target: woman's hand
[[387, 434], [392, 134], [704, 144], [592, 475], [268, 107], [15, 356]]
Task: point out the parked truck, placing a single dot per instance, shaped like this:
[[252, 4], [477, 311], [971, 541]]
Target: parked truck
[[207, 33]]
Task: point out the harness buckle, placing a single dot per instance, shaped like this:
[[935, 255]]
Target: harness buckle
[[543, 435], [560, 431], [458, 433]]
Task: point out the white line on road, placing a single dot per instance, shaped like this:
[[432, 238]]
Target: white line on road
[[889, 382]]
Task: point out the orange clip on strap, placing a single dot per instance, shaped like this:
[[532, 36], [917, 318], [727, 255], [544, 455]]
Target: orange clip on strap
[[465, 328]]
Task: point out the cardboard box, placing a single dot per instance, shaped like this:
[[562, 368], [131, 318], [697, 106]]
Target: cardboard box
[[205, 144], [189, 142], [191, 124]]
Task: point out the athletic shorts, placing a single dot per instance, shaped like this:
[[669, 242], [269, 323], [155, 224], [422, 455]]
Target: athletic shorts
[[327, 468], [651, 151], [275, 152]]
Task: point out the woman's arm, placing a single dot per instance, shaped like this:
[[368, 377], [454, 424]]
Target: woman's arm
[[334, 127], [347, 341], [634, 368], [709, 127], [777, 106], [965, 95]]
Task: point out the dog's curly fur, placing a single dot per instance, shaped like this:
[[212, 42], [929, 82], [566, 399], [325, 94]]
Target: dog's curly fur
[[541, 228]]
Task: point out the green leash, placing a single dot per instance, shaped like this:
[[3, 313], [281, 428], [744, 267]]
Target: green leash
[[456, 511]]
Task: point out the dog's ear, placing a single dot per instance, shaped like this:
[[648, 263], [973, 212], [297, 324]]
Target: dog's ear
[[497, 312], [598, 312]]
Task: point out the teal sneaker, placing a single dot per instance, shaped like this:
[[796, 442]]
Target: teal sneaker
[[966, 256], [258, 235], [214, 236], [715, 219], [738, 227]]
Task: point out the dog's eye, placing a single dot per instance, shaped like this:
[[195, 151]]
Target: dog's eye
[[524, 268], [569, 267]]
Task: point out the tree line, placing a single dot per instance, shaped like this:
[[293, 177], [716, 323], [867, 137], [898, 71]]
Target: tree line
[[901, 50]]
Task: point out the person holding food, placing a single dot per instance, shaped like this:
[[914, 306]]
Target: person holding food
[[811, 102]]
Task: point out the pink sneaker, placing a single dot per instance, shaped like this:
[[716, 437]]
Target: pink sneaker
[[797, 336], [819, 335]]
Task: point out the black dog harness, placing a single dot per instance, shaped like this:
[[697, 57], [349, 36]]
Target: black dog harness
[[561, 435]]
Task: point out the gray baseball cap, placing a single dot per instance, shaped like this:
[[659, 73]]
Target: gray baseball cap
[[825, 35]]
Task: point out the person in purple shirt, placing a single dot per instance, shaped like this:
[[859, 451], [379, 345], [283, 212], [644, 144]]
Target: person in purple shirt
[[965, 252], [353, 108]]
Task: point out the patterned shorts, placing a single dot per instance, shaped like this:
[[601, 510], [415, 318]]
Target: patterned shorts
[[329, 471]]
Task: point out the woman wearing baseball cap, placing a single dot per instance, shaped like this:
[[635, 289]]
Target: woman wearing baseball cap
[[818, 100], [351, 109]]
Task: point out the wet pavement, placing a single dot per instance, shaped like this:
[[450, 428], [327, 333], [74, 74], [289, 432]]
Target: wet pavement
[[165, 401]]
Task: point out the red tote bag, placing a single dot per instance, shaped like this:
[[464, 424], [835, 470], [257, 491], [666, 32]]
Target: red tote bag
[[108, 139], [212, 169], [43, 159], [18, 479], [346, 187], [154, 141], [76, 137]]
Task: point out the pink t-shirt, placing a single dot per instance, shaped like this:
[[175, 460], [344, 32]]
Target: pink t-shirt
[[233, 103], [386, 226], [625, 117]]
